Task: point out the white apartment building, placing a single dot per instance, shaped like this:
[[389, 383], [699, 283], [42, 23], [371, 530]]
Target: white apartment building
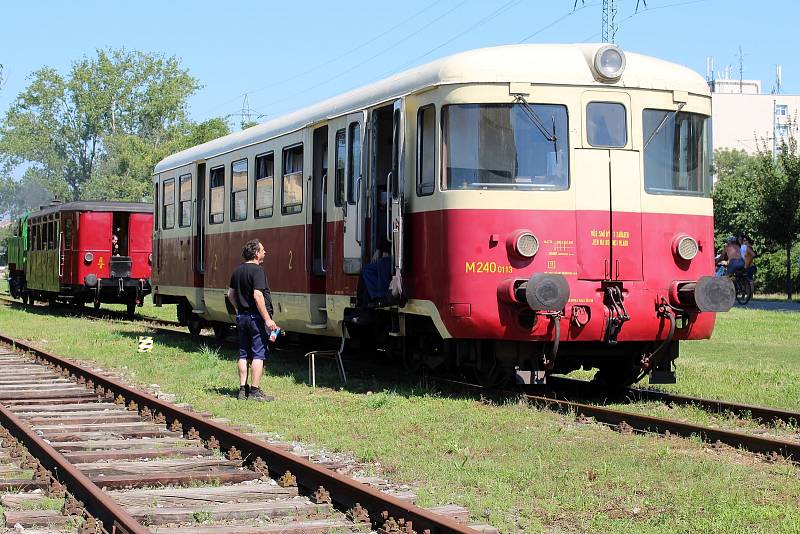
[[745, 119]]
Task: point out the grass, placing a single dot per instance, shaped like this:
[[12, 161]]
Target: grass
[[517, 467]]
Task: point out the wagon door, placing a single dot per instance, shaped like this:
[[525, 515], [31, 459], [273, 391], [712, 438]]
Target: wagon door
[[355, 205], [397, 189], [608, 199]]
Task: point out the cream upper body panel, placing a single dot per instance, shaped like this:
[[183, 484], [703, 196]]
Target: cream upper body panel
[[561, 65]]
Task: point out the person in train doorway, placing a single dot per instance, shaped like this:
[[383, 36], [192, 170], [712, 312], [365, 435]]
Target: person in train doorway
[[114, 245], [373, 284], [249, 294]]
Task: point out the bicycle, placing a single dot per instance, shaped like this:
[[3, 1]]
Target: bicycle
[[743, 286], [741, 283]]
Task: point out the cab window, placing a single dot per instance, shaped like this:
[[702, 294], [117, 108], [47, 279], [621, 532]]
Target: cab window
[[606, 124]]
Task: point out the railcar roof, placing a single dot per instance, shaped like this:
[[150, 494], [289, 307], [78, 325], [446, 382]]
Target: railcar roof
[[95, 205], [561, 64]]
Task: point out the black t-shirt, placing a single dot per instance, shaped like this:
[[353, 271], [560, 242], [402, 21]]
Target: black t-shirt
[[245, 280]]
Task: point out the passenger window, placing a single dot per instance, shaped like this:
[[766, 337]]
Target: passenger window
[[426, 150], [168, 198], [292, 191], [68, 235], [185, 204], [265, 185], [606, 124], [239, 190], [216, 184], [354, 162], [338, 197]]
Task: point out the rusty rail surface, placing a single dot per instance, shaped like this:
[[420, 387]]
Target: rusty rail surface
[[645, 423], [95, 501], [97, 314], [761, 414], [344, 491]]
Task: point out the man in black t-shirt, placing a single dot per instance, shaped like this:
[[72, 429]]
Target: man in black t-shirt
[[250, 296]]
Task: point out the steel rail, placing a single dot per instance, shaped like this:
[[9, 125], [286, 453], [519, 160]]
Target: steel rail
[[762, 414], [96, 502], [101, 313], [645, 423], [658, 425], [343, 490]]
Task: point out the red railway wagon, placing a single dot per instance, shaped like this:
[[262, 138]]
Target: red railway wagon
[[547, 208], [89, 251]]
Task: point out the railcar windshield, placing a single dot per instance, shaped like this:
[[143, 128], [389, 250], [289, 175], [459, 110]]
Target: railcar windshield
[[677, 160], [499, 146]]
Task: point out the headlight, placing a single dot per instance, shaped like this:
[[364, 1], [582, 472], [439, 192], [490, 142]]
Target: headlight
[[88, 257], [685, 247], [523, 244], [609, 62]]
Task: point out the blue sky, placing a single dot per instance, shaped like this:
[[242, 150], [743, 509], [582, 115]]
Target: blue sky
[[286, 55]]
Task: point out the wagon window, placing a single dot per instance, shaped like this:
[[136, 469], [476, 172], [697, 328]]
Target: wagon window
[[354, 159], [426, 150], [239, 190], [168, 199], [265, 185], [505, 146], [68, 235], [341, 147], [185, 201], [677, 158], [606, 124], [51, 235], [216, 183], [292, 194]]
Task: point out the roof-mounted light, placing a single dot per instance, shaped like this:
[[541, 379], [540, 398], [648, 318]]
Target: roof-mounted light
[[609, 62]]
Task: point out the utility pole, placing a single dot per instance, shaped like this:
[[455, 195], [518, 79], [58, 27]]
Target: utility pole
[[247, 117], [608, 18], [741, 69]]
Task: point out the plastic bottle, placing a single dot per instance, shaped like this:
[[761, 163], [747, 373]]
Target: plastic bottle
[[274, 335]]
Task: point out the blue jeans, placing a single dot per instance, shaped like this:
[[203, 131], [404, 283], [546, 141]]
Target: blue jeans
[[253, 336]]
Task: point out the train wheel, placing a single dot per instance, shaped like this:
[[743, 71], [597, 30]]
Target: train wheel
[[617, 375], [221, 331], [97, 305], [488, 372], [195, 325]]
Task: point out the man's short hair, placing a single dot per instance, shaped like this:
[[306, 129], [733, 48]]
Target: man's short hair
[[250, 248]]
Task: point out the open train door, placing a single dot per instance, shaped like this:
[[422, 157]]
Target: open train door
[[396, 185], [355, 205]]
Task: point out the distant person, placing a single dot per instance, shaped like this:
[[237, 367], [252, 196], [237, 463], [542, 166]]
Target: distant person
[[748, 255], [733, 252], [114, 245], [251, 299]]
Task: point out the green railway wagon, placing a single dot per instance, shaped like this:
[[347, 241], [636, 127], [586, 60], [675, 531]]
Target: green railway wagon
[[18, 256]]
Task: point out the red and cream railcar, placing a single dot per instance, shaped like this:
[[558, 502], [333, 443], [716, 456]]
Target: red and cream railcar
[[73, 255], [548, 207]]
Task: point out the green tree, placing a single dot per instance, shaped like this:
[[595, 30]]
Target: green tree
[[63, 127], [125, 171], [736, 207], [778, 195]]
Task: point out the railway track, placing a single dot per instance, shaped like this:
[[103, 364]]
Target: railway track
[[131, 462], [99, 313], [630, 421], [761, 414]]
